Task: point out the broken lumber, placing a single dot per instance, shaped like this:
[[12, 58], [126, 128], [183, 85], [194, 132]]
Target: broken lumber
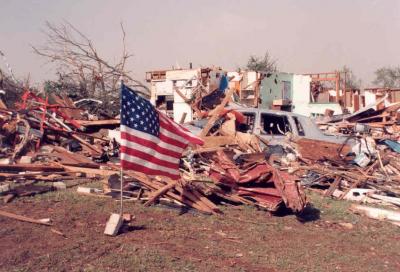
[[89, 123], [30, 167], [216, 112], [23, 218], [91, 147], [218, 141], [321, 150], [93, 171], [160, 192]]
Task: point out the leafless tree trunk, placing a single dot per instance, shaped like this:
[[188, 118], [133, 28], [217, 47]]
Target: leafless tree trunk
[[79, 61]]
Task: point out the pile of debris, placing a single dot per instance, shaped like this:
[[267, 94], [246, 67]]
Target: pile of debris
[[57, 141], [52, 140], [40, 138], [363, 165], [368, 159]]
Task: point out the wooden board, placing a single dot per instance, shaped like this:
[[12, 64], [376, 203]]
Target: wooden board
[[73, 159], [87, 123], [216, 141], [215, 115], [30, 167]]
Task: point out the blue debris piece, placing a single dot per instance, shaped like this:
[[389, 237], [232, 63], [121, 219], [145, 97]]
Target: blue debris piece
[[395, 146]]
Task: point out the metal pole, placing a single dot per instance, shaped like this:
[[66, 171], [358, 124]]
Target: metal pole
[[121, 207], [121, 173], [344, 88]]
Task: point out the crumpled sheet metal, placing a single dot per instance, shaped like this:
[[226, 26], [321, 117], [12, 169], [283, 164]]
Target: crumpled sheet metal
[[261, 182], [269, 198]]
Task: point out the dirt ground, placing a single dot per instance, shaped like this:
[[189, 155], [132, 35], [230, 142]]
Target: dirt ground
[[166, 239]]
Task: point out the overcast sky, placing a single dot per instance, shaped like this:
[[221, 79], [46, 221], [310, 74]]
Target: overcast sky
[[303, 35]]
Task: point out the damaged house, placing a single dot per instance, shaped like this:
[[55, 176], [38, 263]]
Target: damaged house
[[172, 90], [372, 95], [309, 94], [313, 95]]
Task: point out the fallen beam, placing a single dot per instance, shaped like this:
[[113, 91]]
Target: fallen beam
[[160, 192], [23, 218], [30, 167]]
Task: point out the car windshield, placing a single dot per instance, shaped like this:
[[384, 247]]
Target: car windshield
[[309, 128]]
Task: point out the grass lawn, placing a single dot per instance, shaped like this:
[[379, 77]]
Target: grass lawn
[[166, 239]]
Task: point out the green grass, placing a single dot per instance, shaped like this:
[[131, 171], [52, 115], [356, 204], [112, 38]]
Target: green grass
[[164, 239]]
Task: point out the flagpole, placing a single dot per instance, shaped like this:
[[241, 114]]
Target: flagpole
[[121, 173], [121, 207]]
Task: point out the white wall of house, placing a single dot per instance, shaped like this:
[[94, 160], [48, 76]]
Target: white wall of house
[[301, 99], [251, 78], [248, 77], [181, 74], [160, 88], [178, 78], [237, 77], [370, 97], [179, 109], [181, 77], [164, 87], [186, 91]]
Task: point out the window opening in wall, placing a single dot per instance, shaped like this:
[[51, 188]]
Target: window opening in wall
[[286, 90], [165, 102]]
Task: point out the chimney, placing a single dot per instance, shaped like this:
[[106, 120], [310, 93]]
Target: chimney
[[190, 65]]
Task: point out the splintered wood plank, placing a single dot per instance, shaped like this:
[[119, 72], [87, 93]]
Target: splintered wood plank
[[23, 218], [216, 112], [88, 123], [333, 187], [217, 141], [160, 192], [30, 167]]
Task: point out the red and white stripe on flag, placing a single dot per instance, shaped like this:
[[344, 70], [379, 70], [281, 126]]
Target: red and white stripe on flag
[[152, 155]]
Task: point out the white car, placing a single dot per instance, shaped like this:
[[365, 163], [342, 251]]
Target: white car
[[273, 125]]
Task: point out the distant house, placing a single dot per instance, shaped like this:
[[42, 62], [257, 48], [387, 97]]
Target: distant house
[[309, 95]]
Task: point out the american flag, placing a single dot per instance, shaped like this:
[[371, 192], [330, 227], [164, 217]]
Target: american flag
[[151, 143]]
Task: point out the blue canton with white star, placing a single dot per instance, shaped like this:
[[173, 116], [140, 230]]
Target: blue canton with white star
[[138, 113]]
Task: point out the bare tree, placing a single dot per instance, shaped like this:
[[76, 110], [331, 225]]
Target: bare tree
[[79, 63], [262, 64], [387, 77], [352, 81], [10, 89]]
